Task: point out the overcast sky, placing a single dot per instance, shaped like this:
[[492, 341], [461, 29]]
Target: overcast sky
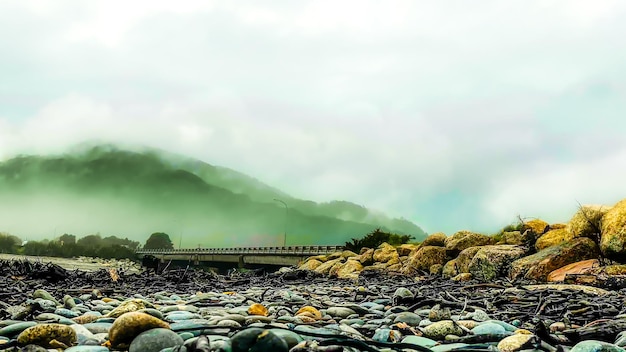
[[454, 114]]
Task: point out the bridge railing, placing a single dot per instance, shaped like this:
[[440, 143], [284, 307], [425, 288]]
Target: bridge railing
[[290, 250]]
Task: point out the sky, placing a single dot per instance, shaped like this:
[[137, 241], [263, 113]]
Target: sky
[[452, 114]]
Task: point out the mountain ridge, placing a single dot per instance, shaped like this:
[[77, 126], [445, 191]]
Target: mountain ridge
[[192, 191]]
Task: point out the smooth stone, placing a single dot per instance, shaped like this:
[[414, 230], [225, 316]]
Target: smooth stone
[[489, 328], [105, 320], [82, 333], [596, 346], [43, 294], [154, 312], [177, 316], [403, 293], [66, 313], [69, 302], [33, 348], [352, 322], [387, 335], [409, 318], [15, 329], [129, 325], [420, 341], [620, 339], [438, 330], [98, 328], [43, 334], [186, 335], [514, 342], [154, 340], [87, 348], [190, 325], [238, 310], [54, 318], [180, 308], [290, 337], [448, 347], [256, 339], [321, 331], [341, 312], [508, 327]]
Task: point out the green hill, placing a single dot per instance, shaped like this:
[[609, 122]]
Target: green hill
[[132, 194]]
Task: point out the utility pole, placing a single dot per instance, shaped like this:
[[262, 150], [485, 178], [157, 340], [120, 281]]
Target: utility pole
[[286, 219]]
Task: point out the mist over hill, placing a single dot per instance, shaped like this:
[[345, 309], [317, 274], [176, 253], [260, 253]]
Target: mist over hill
[[113, 191]]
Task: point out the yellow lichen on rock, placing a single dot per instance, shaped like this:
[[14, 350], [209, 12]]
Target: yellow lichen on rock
[[613, 240], [586, 222], [435, 239], [310, 264], [350, 269], [46, 334], [126, 327], [538, 226], [309, 311], [257, 309], [553, 238]]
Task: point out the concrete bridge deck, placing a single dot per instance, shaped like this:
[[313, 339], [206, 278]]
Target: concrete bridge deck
[[242, 256]]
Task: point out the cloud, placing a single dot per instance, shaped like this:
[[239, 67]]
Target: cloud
[[449, 114]]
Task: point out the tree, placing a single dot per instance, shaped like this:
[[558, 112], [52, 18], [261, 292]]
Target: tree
[[375, 239], [9, 243], [159, 240], [67, 239]]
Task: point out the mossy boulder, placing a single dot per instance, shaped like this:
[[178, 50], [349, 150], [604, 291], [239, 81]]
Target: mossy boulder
[[539, 265], [435, 239], [613, 240], [538, 226], [464, 258], [587, 221], [367, 257], [553, 238], [424, 258], [450, 269], [349, 270], [310, 264], [406, 249], [325, 267], [465, 239], [511, 237], [491, 262], [384, 253]]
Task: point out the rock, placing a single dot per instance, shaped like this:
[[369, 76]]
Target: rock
[[574, 268], [349, 270], [348, 254], [511, 237], [321, 258], [257, 309], [154, 340], [409, 318], [43, 294], [609, 270], [450, 269], [85, 348], [340, 312], [515, 342], [45, 334], [462, 277], [420, 341], [438, 313], [406, 249], [491, 262], [537, 226], [367, 257], [402, 293], [129, 325], [540, 264], [436, 269], [587, 221], [489, 329], [385, 252], [16, 328], [439, 330], [553, 238], [309, 311], [310, 264], [466, 239], [424, 258], [257, 340], [436, 239], [131, 305], [596, 346], [613, 240], [464, 259], [325, 268]]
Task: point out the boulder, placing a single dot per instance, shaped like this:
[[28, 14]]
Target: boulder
[[367, 257], [310, 264], [406, 249], [465, 239], [539, 265], [462, 277], [586, 222], [553, 238], [450, 269], [558, 226], [334, 256], [322, 258], [424, 258], [511, 237], [538, 226], [384, 253], [581, 267], [464, 259], [436, 239], [365, 249], [609, 270], [491, 262], [396, 268], [436, 269], [347, 254], [613, 240], [325, 267], [349, 270]]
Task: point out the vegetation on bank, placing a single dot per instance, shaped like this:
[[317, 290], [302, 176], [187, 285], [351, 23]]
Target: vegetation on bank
[[67, 246], [375, 239]]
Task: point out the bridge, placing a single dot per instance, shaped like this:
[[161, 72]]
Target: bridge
[[240, 256]]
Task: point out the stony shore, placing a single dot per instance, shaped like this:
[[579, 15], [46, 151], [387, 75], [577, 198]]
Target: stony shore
[[45, 307]]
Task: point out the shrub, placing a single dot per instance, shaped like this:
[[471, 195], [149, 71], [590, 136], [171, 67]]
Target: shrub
[[375, 239]]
